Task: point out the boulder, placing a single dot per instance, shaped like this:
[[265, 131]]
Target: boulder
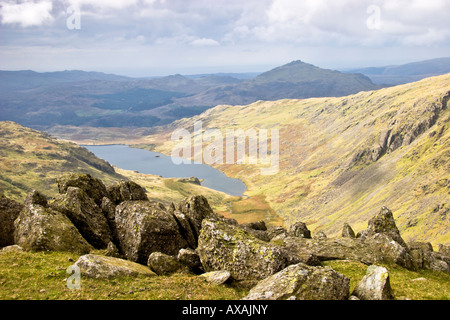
[[93, 187], [384, 222], [86, 215], [217, 277], [222, 246], [126, 191], [38, 228], [347, 231], [378, 249], [425, 258], [445, 250], [190, 259], [300, 230], [144, 227], [196, 209], [12, 248], [375, 285], [276, 232], [97, 266], [9, 211], [185, 228], [163, 264], [259, 225], [302, 282]]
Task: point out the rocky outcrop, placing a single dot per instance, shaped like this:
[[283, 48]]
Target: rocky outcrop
[[426, 258], [93, 187], [97, 266], [302, 282], [144, 227], [9, 211], [347, 231], [40, 228], [300, 230], [222, 246], [375, 285], [126, 191], [86, 215], [190, 259], [384, 223]]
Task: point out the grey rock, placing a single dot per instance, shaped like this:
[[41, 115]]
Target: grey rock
[[347, 231], [375, 285], [93, 187], [191, 259], [302, 282], [97, 266], [222, 246], [217, 277], [9, 211], [300, 230], [12, 248], [144, 227], [86, 215], [126, 191], [43, 229], [163, 264]]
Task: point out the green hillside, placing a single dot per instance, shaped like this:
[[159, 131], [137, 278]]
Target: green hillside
[[341, 159]]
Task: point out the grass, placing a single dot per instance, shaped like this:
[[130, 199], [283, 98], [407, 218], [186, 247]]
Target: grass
[[42, 276]]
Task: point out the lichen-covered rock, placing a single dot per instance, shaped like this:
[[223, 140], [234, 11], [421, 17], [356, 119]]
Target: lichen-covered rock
[[185, 228], [144, 227], [375, 285], [190, 259], [43, 229], [163, 264], [347, 231], [276, 232], [378, 249], [216, 277], [93, 187], [384, 223], [222, 246], [425, 258], [86, 215], [9, 211], [97, 266], [302, 282], [258, 225], [300, 230], [126, 191], [196, 209]]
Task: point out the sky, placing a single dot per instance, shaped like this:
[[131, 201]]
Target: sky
[[161, 37]]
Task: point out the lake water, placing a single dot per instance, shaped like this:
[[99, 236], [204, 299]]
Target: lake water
[[149, 162]]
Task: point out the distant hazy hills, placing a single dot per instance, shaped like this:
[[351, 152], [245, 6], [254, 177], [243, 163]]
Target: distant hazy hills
[[43, 100], [95, 99], [406, 73]]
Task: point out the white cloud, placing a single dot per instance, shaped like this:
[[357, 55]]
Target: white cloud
[[26, 14], [204, 42]]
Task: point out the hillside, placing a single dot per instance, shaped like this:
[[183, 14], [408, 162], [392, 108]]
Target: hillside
[[341, 159], [30, 159], [400, 74]]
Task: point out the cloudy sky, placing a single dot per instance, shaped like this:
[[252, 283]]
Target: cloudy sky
[[161, 37]]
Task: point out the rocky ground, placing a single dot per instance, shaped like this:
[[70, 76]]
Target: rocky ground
[[136, 236]]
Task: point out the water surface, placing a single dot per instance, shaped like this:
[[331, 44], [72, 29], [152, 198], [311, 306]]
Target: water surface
[[150, 162]]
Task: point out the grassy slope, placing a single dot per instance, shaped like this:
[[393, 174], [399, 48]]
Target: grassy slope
[[42, 276], [30, 160], [323, 183]]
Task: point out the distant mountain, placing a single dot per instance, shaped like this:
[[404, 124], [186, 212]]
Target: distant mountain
[[78, 98], [406, 73], [295, 80]]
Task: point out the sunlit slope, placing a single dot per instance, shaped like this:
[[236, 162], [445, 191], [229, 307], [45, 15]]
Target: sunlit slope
[[341, 159], [30, 159]]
